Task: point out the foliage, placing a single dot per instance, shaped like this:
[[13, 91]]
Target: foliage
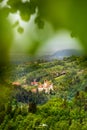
[[68, 15], [64, 108], [51, 115]]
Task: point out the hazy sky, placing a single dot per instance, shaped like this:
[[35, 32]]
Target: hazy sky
[[60, 41]]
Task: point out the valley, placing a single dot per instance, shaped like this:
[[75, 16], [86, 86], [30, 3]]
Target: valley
[[46, 93]]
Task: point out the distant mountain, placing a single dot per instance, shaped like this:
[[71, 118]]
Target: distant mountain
[[66, 53], [62, 53], [22, 58]]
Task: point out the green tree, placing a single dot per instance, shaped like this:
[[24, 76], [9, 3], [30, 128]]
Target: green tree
[[75, 126], [32, 107]]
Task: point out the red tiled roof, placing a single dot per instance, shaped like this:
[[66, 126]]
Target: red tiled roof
[[34, 83]]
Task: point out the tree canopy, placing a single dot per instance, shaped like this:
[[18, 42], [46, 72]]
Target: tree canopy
[[69, 14]]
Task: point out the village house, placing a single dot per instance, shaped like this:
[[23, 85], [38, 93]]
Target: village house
[[40, 87], [34, 90], [16, 83], [34, 83], [46, 87]]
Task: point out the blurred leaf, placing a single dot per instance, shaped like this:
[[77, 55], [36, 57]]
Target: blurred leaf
[[14, 4], [1, 0], [25, 16], [5, 11], [33, 5], [69, 14], [25, 11], [15, 24], [33, 47], [39, 22], [20, 30], [5, 39]]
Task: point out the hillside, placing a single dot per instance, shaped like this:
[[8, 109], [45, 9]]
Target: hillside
[[63, 108], [66, 75]]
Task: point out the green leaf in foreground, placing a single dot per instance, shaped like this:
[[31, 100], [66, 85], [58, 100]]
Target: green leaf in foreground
[[20, 30], [15, 24]]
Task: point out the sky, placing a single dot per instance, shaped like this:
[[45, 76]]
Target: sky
[[61, 41]]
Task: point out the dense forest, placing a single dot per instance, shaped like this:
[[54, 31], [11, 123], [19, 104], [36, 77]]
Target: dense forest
[[64, 108]]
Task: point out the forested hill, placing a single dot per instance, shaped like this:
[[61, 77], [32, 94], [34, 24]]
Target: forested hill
[[64, 108], [68, 75]]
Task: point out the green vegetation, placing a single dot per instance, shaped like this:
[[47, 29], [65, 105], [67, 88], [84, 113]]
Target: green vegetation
[[64, 108]]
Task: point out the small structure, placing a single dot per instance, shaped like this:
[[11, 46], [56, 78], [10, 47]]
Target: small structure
[[63, 72], [46, 87], [34, 83], [16, 84], [40, 87], [34, 90]]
